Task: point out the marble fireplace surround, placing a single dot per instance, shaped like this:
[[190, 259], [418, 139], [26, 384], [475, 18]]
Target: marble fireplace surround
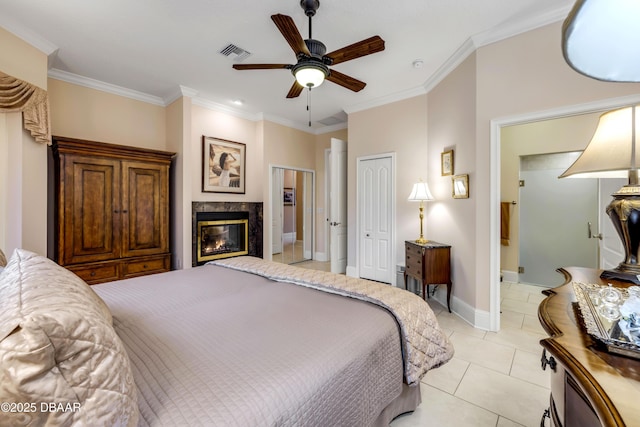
[[255, 223]]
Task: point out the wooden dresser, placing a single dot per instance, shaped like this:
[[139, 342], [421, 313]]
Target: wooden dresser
[[112, 209], [589, 386], [430, 264]]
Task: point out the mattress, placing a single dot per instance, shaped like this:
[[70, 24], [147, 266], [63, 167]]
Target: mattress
[[215, 346]]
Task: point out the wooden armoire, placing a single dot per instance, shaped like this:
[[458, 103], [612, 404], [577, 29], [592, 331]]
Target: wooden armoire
[[112, 209]]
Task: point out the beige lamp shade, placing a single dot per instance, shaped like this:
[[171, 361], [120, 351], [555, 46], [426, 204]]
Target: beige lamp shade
[[420, 192], [612, 151], [600, 39]]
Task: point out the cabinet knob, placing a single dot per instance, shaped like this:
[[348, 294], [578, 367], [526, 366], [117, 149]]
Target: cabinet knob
[[145, 266], [93, 273], [550, 361], [116, 212]]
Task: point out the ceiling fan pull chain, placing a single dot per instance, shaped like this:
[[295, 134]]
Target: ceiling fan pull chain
[[308, 106]]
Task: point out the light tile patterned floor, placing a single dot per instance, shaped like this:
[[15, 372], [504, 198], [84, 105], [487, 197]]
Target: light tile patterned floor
[[495, 378]]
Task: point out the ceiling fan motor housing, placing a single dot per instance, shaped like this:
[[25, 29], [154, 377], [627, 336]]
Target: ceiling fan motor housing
[[310, 6]]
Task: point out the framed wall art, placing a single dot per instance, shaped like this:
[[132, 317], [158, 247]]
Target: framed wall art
[[289, 196], [460, 186], [223, 166], [446, 159]]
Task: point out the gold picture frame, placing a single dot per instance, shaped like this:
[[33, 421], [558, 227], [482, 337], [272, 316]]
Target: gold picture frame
[[460, 186], [223, 166], [446, 163]]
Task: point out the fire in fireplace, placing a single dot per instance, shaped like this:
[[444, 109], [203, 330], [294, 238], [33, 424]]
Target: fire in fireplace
[[222, 235]]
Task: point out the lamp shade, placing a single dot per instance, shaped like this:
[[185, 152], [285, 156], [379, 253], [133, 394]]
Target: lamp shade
[[612, 152], [310, 76], [600, 39], [420, 192]]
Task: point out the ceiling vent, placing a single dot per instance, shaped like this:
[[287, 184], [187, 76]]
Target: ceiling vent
[[234, 52]]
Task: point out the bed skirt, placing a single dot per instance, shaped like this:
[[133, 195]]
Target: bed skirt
[[408, 401]]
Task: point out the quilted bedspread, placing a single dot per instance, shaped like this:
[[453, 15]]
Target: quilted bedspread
[[425, 346], [215, 346]]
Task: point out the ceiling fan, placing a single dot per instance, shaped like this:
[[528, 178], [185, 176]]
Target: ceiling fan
[[313, 61]]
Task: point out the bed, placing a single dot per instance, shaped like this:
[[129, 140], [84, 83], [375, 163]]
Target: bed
[[238, 342]]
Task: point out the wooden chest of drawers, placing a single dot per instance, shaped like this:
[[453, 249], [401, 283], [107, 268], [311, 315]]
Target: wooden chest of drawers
[[429, 263]]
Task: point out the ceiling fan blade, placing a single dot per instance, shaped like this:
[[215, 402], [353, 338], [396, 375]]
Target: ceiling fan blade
[[295, 90], [290, 32], [362, 48], [346, 81], [260, 66]]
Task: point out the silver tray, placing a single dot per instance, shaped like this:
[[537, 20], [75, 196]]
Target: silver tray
[[602, 329]]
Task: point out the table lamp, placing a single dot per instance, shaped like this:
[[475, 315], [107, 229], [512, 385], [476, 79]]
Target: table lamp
[[612, 153], [420, 193]]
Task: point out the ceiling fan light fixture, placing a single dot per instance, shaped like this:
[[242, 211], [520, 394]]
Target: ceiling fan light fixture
[[311, 74]]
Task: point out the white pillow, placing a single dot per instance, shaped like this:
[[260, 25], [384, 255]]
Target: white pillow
[[58, 345]]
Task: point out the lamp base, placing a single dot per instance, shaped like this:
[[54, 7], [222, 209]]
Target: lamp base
[[421, 241], [620, 274]]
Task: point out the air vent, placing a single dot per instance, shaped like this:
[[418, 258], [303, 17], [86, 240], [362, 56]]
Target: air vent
[[234, 52]]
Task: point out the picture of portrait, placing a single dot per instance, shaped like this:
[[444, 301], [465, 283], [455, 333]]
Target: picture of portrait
[[223, 168]]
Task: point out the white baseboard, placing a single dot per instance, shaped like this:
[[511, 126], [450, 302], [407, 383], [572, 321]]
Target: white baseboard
[[477, 318], [352, 271], [320, 256], [510, 276]]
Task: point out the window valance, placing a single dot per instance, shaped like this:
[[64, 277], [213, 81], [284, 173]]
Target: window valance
[[19, 96]]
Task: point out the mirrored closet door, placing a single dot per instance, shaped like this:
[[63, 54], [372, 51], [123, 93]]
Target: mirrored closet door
[[292, 214]]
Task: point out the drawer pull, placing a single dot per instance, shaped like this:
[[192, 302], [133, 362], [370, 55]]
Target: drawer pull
[[145, 266], [93, 273], [550, 361]]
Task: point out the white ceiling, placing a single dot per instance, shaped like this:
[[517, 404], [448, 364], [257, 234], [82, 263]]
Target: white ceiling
[[157, 49]]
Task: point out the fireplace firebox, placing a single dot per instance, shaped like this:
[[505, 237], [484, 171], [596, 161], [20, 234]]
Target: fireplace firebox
[[221, 235]]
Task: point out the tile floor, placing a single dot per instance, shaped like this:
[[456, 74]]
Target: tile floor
[[495, 378]]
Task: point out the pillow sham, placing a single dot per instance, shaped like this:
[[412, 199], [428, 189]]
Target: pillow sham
[[60, 358]]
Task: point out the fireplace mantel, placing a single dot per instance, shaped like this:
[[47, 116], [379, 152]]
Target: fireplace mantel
[[255, 223]]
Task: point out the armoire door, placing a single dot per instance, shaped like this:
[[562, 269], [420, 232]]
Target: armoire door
[[145, 212], [90, 213]]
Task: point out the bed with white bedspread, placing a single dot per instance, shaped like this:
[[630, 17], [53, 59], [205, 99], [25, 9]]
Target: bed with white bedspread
[[242, 342]]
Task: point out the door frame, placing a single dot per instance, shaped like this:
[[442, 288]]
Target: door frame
[[269, 235], [392, 218], [494, 192]]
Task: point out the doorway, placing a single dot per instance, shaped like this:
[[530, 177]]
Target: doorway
[[292, 207]]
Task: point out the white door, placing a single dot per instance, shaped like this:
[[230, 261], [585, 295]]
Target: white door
[[277, 185], [611, 249], [375, 203], [338, 217]]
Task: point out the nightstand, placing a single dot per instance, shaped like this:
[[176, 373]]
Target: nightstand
[[429, 263]]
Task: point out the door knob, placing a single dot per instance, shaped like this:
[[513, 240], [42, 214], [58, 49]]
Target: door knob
[[334, 223], [590, 235]]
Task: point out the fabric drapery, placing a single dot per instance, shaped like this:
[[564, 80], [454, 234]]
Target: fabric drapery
[[33, 102], [505, 220]]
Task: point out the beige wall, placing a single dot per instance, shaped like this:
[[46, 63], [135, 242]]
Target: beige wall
[[23, 219], [399, 128], [548, 136], [84, 113], [451, 119]]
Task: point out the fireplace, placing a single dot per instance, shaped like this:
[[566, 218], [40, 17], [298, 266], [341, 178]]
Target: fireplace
[[212, 211], [221, 235]]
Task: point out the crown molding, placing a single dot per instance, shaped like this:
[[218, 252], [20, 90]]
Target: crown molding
[[179, 92], [68, 77], [215, 106], [388, 99], [29, 36]]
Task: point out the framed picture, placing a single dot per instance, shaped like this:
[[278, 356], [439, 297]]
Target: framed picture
[[446, 159], [289, 197], [223, 166], [460, 186]]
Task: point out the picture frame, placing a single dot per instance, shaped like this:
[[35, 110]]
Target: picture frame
[[289, 196], [223, 166], [446, 163], [460, 186]]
